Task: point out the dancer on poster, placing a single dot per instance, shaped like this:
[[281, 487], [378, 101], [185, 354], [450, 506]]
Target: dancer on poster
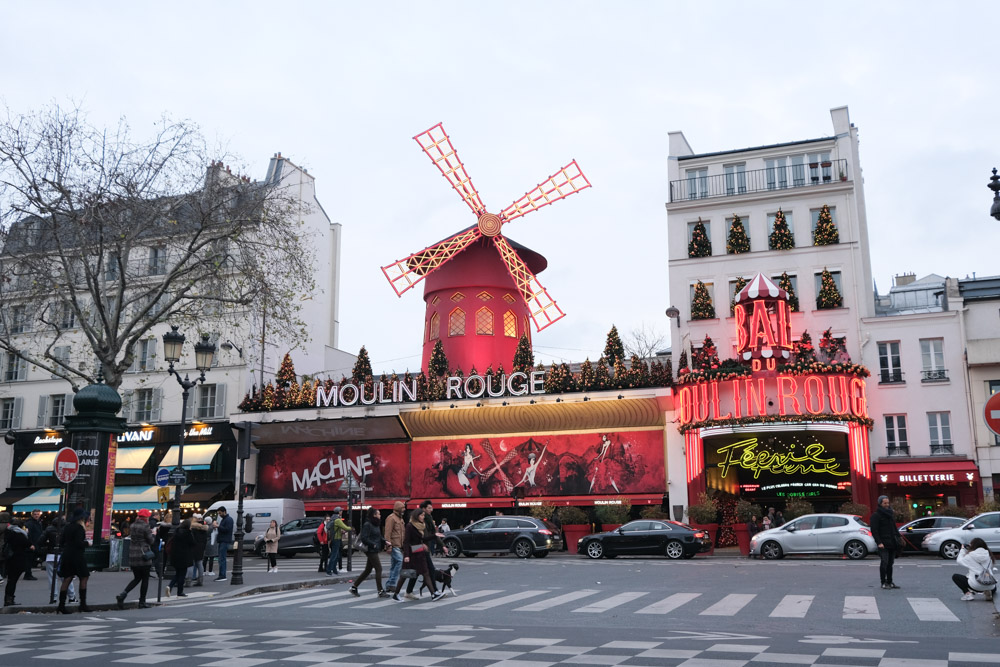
[[533, 463], [605, 468], [468, 469]]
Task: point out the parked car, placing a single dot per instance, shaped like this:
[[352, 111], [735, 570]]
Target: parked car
[[526, 536], [947, 543], [296, 537], [816, 534], [672, 539], [913, 533]]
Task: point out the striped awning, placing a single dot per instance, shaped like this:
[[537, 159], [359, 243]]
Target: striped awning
[[196, 457], [131, 460], [135, 497], [46, 500], [760, 288], [38, 464]]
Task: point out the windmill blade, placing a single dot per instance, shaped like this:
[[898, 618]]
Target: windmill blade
[[565, 182], [437, 144], [406, 273], [543, 310]]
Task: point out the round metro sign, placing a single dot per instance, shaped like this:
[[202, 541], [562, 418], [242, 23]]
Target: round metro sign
[[991, 413], [66, 465]]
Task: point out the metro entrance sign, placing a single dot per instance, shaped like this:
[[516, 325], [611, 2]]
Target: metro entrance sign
[[66, 465], [991, 413]]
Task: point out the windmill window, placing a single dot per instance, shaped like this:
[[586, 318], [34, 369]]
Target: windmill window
[[435, 301], [484, 296], [484, 322], [508, 298], [456, 323], [457, 296], [435, 327], [509, 325]]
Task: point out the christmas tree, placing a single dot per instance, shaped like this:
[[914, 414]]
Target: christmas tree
[[781, 236], [362, 367], [587, 375], [833, 349], [602, 378], [829, 295], [638, 372], [682, 363], [613, 348], [707, 356], [621, 377], [826, 232], [286, 374], [437, 365], [738, 241], [524, 359], [569, 381], [701, 303], [660, 374], [805, 353], [700, 245], [738, 285], [785, 283]]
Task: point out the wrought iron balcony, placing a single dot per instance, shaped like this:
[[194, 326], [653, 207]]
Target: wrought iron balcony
[[758, 180], [891, 377], [934, 375], [942, 449], [901, 450]]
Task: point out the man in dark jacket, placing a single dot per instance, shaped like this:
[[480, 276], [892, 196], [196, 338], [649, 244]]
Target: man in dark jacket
[[35, 530], [883, 524], [225, 535]]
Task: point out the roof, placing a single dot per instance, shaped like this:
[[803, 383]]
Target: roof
[[755, 148], [973, 289]]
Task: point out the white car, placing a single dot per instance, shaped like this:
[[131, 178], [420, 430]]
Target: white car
[[816, 534], [947, 543]]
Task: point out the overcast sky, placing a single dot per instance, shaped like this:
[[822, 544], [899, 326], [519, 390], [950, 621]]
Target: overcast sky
[[523, 88]]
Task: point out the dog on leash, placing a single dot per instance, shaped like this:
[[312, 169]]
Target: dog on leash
[[443, 578]]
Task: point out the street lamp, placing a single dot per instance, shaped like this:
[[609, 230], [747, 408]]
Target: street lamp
[[994, 185], [204, 352]]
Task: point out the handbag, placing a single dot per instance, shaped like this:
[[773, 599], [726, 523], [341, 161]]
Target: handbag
[[418, 548], [148, 555], [986, 578]]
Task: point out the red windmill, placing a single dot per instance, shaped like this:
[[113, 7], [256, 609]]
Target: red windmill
[[500, 282]]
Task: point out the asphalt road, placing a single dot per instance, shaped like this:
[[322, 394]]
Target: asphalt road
[[560, 610]]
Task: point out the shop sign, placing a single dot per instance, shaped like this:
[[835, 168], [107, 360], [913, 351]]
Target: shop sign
[[473, 386], [145, 435], [319, 472], [750, 455], [48, 439], [198, 432], [762, 331], [915, 478]]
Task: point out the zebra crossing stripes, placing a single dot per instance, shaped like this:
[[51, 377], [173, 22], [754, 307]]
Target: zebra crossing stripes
[[301, 601], [669, 603], [515, 597], [257, 598], [610, 603], [729, 605], [861, 607], [558, 600], [463, 597], [793, 606], [931, 609]]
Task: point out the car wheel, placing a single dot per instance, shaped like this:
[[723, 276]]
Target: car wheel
[[674, 550], [771, 550], [452, 548], [855, 550], [950, 550], [523, 548], [595, 549], [540, 554]]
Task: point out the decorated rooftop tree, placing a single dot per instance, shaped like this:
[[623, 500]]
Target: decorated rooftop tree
[[699, 245], [829, 296], [705, 357], [613, 348], [738, 285], [286, 374], [363, 366], [621, 375], [701, 303], [682, 363], [524, 358], [781, 237], [437, 366], [785, 283], [602, 378], [738, 242], [638, 372], [826, 231], [833, 349], [805, 352], [586, 381], [569, 380], [661, 375]]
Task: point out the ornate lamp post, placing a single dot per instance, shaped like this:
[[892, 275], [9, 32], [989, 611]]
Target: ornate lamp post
[[994, 185], [204, 352]]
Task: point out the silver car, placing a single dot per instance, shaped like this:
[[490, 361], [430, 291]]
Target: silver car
[[947, 543], [816, 534]]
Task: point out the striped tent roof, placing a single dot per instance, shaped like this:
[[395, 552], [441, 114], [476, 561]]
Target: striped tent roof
[[760, 287]]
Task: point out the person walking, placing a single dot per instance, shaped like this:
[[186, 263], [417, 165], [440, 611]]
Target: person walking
[[271, 537], [225, 535], [51, 539], [20, 552], [211, 548], [976, 558], [35, 531], [140, 554], [883, 525], [431, 539], [323, 542], [416, 553], [73, 562], [200, 532], [373, 542], [752, 528], [181, 547], [335, 529], [395, 526]]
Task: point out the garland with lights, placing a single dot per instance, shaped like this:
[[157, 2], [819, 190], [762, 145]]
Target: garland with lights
[[775, 419]]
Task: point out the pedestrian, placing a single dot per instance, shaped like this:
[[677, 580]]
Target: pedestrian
[[181, 550], [766, 522], [201, 533], [752, 528], [322, 541], [373, 542], [770, 519], [779, 519], [73, 562], [976, 558], [443, 525], [4, 522], [140, 554], [20, 552], [225, 535], [416, 553], [35, 530], [164, 529], [51, 538], [271, 537], [431, 539], [211, 548], [395, 526], [336, 529], [883, 525]]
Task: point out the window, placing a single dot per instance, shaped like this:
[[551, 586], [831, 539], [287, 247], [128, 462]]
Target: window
[[832, 522], [798, 170], [818, 280], [732, 296], [508, 298], [456, 323], [993, 387], [939, 424], [10, 413], [814, 219], [776, 174], [697, 183], [15, 368], [736, 178], [770, 222], [457, 296], [145, 356], [932, 357], [60, 355], [66, 317], [484, 322], [819, 167], [18, 319], [210, 401], [888, 363], [991, 520], [484, 296], [111, 267], [57, 413], [157, 261], [435, 327], [143, 405], [895, 435], [509, 325]]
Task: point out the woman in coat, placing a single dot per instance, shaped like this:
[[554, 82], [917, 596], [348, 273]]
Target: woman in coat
[[74, 562], [201, 533], [19, 550], [139, 547], [415, 553], [371, 538], [271, 537], [212, 547], [975, 557], [181, 556]]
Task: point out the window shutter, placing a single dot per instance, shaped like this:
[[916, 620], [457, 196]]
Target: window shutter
[[68, 405], [136, 351], [126, 411], [157, 405], [22, 369], [43, 403], [220, 400], [192, 401], [18, 408]]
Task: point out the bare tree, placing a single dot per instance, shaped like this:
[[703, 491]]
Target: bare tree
[[644, 342], [103, 236]]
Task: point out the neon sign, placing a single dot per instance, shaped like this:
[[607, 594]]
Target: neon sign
[[744, 454], [761, 332]]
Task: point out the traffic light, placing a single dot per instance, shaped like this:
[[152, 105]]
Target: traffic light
[[244, 439], [248, 523]]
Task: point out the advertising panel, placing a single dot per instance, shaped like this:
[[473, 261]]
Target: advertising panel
[[608, 463], [319, 472]]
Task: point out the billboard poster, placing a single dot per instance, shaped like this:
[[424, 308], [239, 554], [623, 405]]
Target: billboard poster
[[320, 472], [600, 463]]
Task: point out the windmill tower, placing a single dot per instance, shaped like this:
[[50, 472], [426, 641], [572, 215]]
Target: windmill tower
[[481, 287]]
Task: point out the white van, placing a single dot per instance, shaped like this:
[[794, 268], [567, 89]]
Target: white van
[[262, 510]]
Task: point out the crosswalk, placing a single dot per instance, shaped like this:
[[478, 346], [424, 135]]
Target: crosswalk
[[593, 601]]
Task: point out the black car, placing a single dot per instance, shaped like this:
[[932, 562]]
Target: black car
[[526, 536], [296, 537], [672, 539], [912, 534]]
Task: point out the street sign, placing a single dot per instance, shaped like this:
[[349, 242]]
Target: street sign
[[163, 495], [178, 476], [162, 477], [66, 465], [991, 412]]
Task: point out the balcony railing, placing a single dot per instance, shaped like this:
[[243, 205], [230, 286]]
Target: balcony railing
[[934, 375], [758, 180], [891, 377], [942, 449], [901, 450]]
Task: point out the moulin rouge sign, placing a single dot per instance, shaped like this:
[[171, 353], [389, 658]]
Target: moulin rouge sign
[[473, 386]]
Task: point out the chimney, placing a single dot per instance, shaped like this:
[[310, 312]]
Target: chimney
[[903, 279]]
